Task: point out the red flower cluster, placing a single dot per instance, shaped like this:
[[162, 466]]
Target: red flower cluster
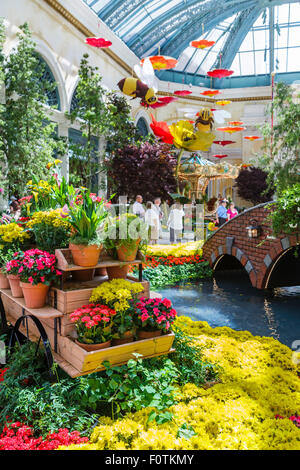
[[154, 314], [2, 373], [34, 266], [153, 261], [22, 221], [25, 200], [294, 418], [19, 436], [92, 315]]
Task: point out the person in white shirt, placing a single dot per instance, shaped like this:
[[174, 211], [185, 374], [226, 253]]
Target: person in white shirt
[[152, 221], [157, 203], [175, 222], [138, 208]]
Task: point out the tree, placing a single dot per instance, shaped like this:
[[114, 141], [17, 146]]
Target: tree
[[282, 151], [27, 141], [92, 115], [252, 185], [147, 169]]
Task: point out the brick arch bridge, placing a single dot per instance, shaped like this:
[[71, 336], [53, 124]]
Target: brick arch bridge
[[269, 262]]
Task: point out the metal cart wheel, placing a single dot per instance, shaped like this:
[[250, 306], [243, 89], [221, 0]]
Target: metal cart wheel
[[17, 336]]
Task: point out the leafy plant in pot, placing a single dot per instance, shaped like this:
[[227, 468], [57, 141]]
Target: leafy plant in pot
[[12, 270], [117, 294], [152, 316], [86, 214], [36, 270], [5, 255], [94, 326], [123, 235]]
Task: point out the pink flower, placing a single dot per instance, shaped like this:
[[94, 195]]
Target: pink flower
[[30, 279]]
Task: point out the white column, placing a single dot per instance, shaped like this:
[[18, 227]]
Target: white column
[[63, 132]]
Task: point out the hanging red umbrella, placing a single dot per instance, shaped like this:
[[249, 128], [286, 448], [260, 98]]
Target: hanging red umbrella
[[210, 93], [219, 156], [252, 137], [98, 42], [161, 62], [224, 142], [182, 92], [220, 73], [202, 44]]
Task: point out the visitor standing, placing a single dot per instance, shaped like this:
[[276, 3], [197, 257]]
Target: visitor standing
[[232, 212], [138, 208], [157, 208], [175, 222], [221, 216], [152, 221]]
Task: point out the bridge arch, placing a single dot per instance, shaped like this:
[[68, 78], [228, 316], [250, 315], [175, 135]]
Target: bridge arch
[[269, 261]]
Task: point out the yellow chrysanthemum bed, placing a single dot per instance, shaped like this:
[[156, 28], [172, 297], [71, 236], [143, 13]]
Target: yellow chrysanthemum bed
[[259, 380], [177, 250]]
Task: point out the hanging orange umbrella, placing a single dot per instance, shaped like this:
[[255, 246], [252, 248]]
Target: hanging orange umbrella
[[235, 123], [223, 102], [220, 73], [231, 130], [210, 93], [161, 62], [252, 137], [202, 44]]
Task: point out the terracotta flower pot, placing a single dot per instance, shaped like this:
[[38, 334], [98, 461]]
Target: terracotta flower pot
[[85, 255], [14, 282], [126, 338], [117, 272], [83, 275], [35, 296], [4, 284], [128, 254], [148, 334], [93, 347]]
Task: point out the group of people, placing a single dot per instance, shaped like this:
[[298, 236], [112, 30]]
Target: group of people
[[153, 215], [223, 214]]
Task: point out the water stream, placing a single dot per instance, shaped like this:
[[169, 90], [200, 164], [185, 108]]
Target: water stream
[[230, 300]]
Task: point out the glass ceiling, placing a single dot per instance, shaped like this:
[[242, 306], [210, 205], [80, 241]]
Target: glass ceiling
[[252, 37]]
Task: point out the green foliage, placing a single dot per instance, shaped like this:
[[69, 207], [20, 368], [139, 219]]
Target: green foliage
[[48, 238], [169, 275], [78, 403], [91, 113], [25, 392], [281, 156], [286, 215], [85, 218], [133, 387], [189, 360], [124, 230], [27, 139]]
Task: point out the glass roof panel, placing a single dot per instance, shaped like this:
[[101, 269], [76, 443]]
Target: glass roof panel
[[242, 40]]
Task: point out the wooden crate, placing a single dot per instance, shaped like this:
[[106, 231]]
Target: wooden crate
[[76, 294], [72, 358], [87, 362]]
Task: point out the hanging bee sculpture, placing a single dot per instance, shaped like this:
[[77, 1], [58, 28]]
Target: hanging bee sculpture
[[205, 120], [137, 89]]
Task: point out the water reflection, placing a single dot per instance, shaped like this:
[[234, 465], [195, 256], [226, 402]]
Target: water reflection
[[230, 300]]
